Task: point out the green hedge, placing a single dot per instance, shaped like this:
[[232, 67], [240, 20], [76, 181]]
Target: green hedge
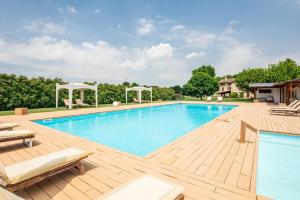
[[20, 91]]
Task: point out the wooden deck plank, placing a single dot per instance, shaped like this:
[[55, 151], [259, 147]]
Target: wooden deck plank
[[209, 161]]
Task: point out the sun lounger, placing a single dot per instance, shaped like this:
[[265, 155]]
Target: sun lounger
[[147, 188], [295, 106], [17, 135], [292, 105], [26, 173], [80, 103], [208, 99], [288, 111], [66, 101], [220, 99], [8, 126], [135, 100], [7, 195]]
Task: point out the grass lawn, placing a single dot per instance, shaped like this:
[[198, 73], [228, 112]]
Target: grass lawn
[[214, 99], [38, 110]]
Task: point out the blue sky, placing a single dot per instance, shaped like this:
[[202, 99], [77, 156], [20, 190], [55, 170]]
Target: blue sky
[[149, 42]]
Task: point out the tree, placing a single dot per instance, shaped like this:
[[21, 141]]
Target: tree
[[20, 91], [208, 69], [284, 70], [200, 84], [126, 84], [251, 75], [177, 89]]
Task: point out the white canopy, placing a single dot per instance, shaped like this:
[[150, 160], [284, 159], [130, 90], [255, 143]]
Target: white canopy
[[139, 90], [76, 86]]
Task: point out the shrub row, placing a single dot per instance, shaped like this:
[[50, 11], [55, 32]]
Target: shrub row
[[20, 91]]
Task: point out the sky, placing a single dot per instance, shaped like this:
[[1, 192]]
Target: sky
[[154, 42]]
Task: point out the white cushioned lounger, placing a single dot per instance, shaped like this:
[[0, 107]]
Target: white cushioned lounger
[[146, 187], [17, 135], [7, 195], [8, 126], [34, 170]]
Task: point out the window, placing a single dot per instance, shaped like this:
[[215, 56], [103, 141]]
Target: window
[[265, 91]]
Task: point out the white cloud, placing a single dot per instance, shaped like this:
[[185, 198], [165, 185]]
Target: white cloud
[[160, 51], [237, 56], [233, 22], [229, 29], [194, 55], [177, 27], [71, 9], [97, 10], [199, 39], [50, 57], [45, 26], [145, 26]]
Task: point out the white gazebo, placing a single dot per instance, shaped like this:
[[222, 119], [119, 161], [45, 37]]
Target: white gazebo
[[139, 90], [76, 86]]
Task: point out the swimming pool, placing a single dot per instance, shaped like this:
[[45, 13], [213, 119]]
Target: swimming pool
[[278, 175], [138, 131]]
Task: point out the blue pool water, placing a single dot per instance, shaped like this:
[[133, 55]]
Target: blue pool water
[[278, 174], [138, 131]]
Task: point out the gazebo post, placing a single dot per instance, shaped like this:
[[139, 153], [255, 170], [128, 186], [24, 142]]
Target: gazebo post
[[96, 94], [56, 96], [140, 96], [138, 91], [126, 94], [70, 97], [82, 95]]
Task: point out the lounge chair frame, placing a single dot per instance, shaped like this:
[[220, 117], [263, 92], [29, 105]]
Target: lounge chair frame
[[28, 143], [9, 128], [180, 197], [76, 164]]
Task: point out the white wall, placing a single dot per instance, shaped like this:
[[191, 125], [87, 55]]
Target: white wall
[[275, 94]]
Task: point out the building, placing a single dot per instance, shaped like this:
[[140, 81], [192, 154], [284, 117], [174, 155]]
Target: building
[[228, 86], [284, 92]]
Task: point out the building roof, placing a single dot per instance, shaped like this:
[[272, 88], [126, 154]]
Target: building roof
[[139, 88], [296, 80], [262, 85], [229, 80], [270, 85], [74, 86]]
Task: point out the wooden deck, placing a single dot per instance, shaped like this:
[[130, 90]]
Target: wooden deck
[[209, 161]]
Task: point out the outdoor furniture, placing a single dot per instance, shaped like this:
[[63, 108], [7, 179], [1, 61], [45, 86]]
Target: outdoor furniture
[[269, 99], [8, 126], [220, 99], [23, 174], [116, 103], [139, 90], [21, 111], [292, 105], [76, 86], [283, 109], [17, 135], [208, 99], [67, 103], [7, 195], [79, 102], [294, 110], [146, 187], [135, 100]]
